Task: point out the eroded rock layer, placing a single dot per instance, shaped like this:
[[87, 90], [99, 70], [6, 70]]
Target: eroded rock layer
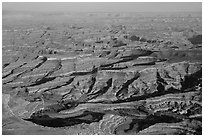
[[102, 79], [137, 101]]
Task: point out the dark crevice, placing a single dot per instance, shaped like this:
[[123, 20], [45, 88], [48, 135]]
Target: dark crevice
[[12, 71], [44, 59], [5, 65], [42, 81], [93, 81], [192, 80], [151, 95], [125, 59], [145, 64], [90, 96], [153, 120], [26, 71], [93, 71], [126, 84], [58, 67], [87, 117], [187, 86], [101, 91], [145, 123], [79, 73], [43, 34], [114, 68], [59, 86]]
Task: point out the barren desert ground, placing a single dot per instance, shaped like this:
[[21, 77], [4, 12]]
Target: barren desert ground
[[105, 73]]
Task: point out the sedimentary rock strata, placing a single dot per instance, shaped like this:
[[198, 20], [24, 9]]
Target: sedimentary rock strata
[[117, 79]]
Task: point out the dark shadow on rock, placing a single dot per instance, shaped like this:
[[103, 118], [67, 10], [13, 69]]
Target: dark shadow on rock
[[45, 120]]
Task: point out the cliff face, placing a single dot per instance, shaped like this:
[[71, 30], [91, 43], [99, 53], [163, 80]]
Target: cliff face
[[137, 101], [100, 79]]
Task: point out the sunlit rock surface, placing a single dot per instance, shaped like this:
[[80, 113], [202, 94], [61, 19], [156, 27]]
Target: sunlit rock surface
[[92, 78]]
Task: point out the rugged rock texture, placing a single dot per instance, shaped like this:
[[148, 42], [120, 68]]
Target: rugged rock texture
[[89, 78], [139, 99], [196, 39]]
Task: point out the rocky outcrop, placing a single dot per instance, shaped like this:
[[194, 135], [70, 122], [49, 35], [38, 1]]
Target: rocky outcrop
[[196, 39], [171, 93], [102, 74]]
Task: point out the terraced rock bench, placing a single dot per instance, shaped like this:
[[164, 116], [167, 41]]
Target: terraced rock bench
[[160, 100]]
